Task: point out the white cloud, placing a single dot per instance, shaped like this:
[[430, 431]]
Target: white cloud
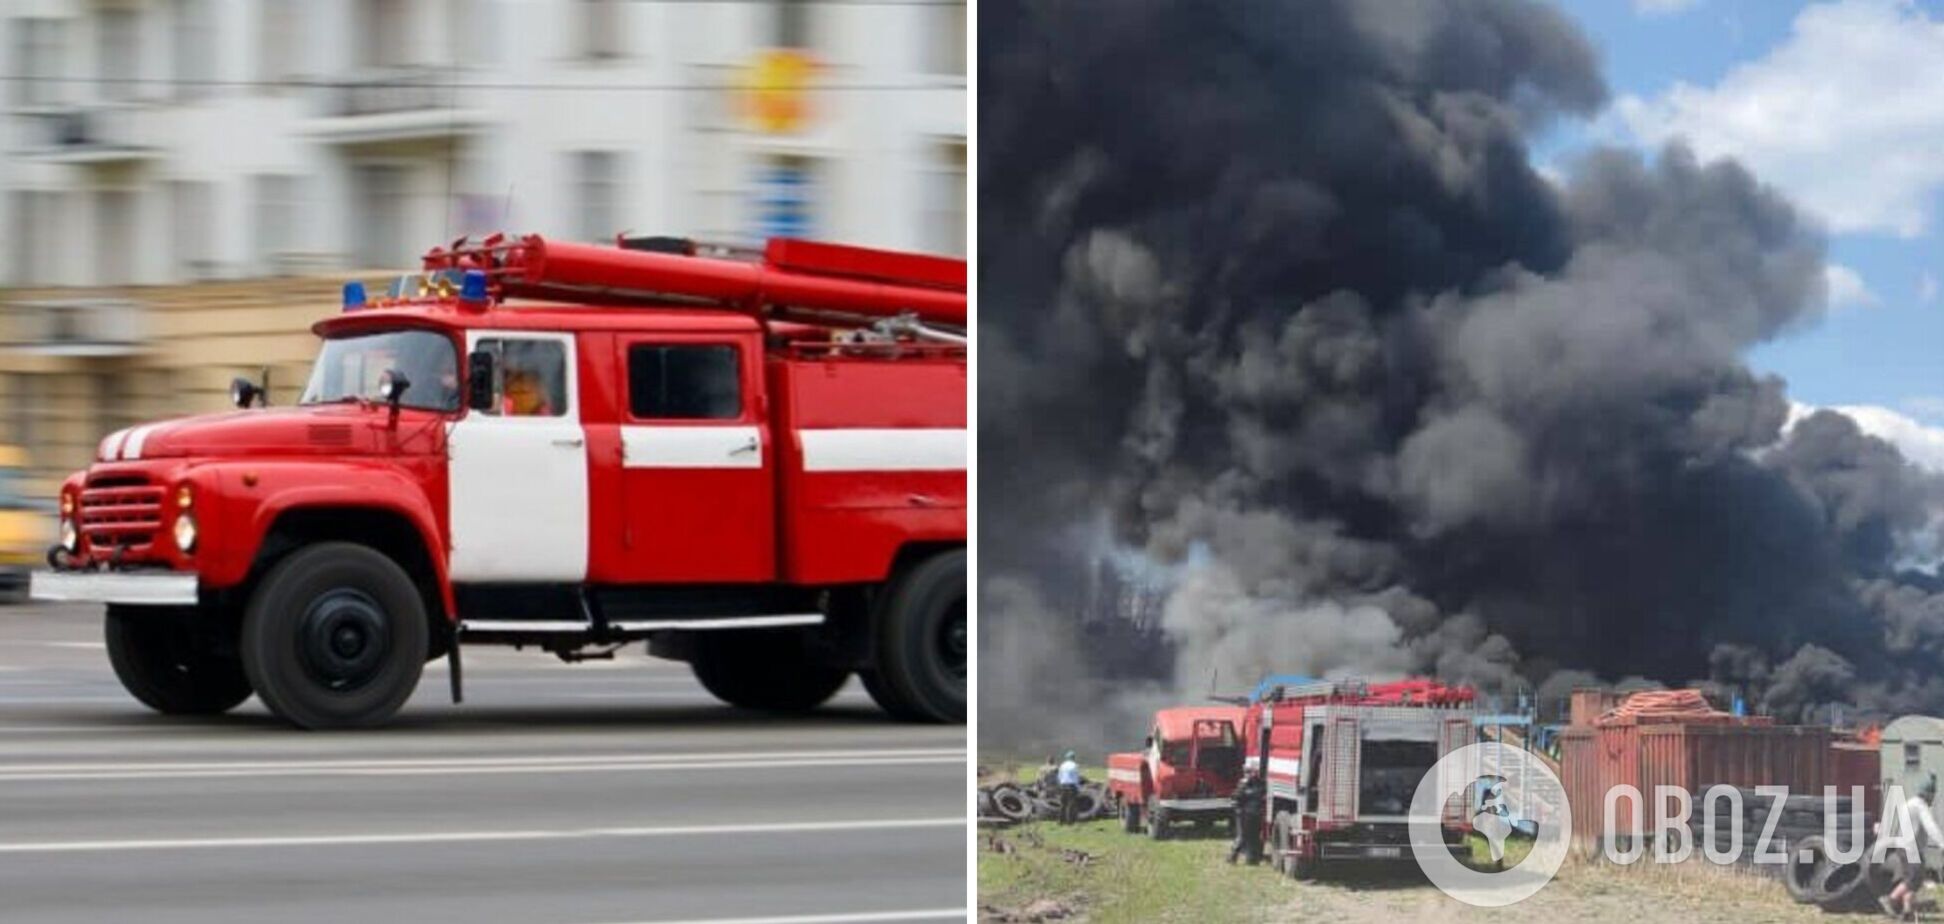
[[1927, 288], [1919, 442], [1847, 288], [1928, 407], [1843, 115], [1663, 7]]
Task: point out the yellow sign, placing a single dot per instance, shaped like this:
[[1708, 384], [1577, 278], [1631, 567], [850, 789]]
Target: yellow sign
[[776, 91]]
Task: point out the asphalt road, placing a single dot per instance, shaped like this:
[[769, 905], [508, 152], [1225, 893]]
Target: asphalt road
[[604, 792]]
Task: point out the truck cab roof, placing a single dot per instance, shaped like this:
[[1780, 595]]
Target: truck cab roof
[[449, 313]]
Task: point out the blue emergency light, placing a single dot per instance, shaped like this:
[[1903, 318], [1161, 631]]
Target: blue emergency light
[[473, 289], [354, 296]]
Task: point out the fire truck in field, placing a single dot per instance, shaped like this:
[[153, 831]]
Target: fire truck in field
[[754, 461], [1343, 759], [1187, 771]]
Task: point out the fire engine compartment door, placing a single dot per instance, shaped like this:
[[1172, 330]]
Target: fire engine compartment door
[[698, 477], [518, 472]]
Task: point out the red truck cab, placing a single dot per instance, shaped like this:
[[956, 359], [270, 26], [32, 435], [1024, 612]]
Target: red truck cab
[[1187, 771], [753, 461]]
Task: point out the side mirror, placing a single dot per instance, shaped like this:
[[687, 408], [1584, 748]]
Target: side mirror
[[1148, 743], [479, 381], [244, 392], [392, 385]]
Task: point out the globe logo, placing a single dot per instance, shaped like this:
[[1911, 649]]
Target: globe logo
[[1493, 820], [1511, 798]]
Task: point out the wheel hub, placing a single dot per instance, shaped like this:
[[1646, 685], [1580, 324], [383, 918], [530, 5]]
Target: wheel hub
[[343, 639], [953, 639]]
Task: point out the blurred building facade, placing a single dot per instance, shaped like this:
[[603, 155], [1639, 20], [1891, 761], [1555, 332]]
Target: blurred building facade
[[185, 181]]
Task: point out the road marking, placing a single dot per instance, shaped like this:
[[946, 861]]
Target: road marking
[[471, 837], [865, 917], [456, 766]]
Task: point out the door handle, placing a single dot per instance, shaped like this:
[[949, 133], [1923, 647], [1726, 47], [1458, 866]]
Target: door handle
[[569, 443], [750, 446]]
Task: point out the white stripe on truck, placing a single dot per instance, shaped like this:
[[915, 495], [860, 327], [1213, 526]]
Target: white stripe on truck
[[883, 450], [708, 446]]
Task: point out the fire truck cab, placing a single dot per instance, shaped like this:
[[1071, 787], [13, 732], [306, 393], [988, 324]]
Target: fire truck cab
[[754, 461], [1343, 759], [1187, 771]]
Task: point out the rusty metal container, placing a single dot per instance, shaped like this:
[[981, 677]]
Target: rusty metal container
[[1692, 756], [1589, 703]]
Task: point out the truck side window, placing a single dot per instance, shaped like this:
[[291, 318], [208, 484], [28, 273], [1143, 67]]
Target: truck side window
[[685, 382], [532, 378]]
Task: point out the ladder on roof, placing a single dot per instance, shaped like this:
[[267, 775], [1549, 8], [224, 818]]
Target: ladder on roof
[[792, 280]]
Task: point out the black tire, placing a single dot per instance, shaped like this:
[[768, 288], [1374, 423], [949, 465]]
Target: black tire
[[158, 660], [767, 670], [1130, 815], [1011, 803], [1157, 823], [922, 637], [335, 637], [1088, 804]]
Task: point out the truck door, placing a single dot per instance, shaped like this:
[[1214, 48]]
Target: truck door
[[698, 479], [518, 470]]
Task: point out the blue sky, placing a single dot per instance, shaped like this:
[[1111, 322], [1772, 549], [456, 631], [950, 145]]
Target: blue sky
[[1806, 93]]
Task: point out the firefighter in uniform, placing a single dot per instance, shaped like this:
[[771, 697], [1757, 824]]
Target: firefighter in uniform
[[1249, 798]]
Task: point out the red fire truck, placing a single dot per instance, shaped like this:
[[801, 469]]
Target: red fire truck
[[1186, 773], [754, 461], [1342, 760]]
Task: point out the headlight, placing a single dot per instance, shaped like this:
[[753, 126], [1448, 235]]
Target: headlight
[[185, 532], [70, 538]]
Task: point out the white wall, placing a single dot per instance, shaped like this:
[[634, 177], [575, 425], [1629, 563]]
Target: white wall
[[877, 151]]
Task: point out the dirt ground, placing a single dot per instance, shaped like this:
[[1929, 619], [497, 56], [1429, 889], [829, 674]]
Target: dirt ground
[[1096, 874]]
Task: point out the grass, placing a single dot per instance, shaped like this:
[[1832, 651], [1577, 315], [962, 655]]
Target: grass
[[1117, 877]]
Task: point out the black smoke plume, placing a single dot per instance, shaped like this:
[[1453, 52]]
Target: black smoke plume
[[1275, 307]]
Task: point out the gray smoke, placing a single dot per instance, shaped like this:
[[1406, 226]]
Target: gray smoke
[[1273, 298]]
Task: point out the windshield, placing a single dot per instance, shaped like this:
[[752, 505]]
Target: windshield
[[349, 368]]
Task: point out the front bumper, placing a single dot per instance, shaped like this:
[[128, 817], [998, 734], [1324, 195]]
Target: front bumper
[[1206, 806], [152, 588]]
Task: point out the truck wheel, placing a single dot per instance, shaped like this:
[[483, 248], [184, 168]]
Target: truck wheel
[[1130, 818], [765, 670], [335, 637], [1157, 823], [921, 642], [155, 658]]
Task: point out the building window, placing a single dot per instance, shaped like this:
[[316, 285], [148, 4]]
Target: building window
[[379, 240], [120, 57], [277, 51], [387, 33], [26, 404], [947, 39], [601, 33], [195, 49], [597, 195], [37, 227], [115, 237], [792, 24], [275, 215], [947, 207], [691, 382], [193, 213], [37, 46]]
